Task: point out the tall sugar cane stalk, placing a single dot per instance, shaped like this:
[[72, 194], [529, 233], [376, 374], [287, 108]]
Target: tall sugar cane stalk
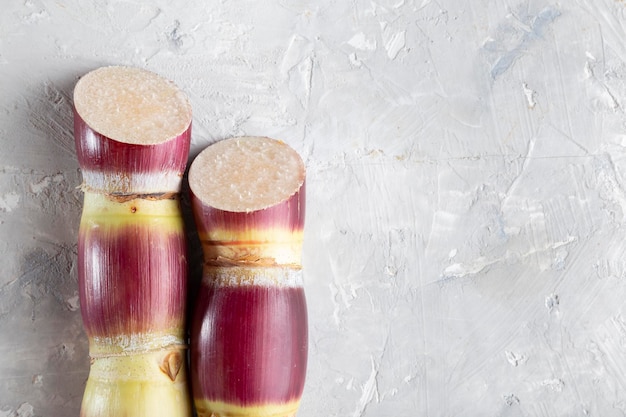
[[132, 130], [249, 329]]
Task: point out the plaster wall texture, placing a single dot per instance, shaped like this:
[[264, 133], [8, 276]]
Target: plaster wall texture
[[465, 248]]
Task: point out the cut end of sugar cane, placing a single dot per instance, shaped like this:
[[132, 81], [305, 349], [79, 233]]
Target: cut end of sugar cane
[[132, 130], [132, 105], [246, 174], [248, 197]]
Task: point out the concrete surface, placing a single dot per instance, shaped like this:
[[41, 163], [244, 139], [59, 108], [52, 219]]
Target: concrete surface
[[465, 248]]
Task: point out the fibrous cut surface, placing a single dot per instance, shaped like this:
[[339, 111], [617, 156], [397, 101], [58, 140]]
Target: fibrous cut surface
[[246, 174], [132, 105]]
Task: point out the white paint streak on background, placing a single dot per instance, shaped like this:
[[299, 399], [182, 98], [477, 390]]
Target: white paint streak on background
[[465, 245]]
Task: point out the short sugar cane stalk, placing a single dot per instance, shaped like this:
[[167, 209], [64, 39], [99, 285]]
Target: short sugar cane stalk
[[132, 130], [249, 330]]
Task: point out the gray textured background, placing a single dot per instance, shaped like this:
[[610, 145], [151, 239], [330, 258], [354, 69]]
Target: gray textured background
[[465, 242]]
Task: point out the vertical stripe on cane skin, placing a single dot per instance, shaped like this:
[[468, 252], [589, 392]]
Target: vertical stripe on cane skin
[[251, 349], [122, 168], [130, 299]]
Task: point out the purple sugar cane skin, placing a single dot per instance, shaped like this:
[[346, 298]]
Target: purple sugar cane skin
[[128, 169], [249, 333], [133, 274], [256, 331], [132, 266]]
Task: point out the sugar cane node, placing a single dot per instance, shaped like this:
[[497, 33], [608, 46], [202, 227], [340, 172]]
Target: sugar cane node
[[122, 198], [171, 364]]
